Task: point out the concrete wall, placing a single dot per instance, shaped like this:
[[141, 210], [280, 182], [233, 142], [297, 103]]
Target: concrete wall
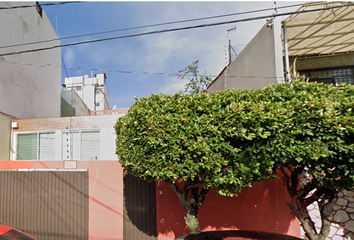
[[66, 110], [5, 133], [74, 100], [258, 65], [29, 82]]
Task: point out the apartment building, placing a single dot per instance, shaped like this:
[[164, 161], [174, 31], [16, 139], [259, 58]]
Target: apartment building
[[92, 90]]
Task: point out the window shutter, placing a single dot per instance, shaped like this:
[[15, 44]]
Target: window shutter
[[47, 146], [90, 145], [27, 146]]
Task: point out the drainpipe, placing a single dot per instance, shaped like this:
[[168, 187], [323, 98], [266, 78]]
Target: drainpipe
[[286, 55]]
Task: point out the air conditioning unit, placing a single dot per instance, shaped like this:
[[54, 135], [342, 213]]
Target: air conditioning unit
[[14, 124]]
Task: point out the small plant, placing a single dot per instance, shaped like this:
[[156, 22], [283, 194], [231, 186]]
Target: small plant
[[198, 83]]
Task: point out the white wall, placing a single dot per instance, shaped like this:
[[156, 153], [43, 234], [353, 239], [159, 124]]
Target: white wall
[[103, 124], [28, 90], [258, 65], [88, 93], [72, 98]]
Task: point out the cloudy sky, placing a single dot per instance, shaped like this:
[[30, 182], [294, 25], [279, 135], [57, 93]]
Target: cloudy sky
[[139, 66]]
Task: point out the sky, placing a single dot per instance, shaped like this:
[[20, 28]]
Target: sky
[[142, 65]]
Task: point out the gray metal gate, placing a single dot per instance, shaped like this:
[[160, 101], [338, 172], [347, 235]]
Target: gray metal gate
[[49, 205]]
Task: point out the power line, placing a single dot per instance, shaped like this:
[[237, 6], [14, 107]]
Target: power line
[[42, 4], [151, 25], [131, 72], [175, 29], [66, 71]]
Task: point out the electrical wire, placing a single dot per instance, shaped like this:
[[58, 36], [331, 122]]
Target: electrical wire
[[133, 72], [151, 25], [66, 71], [42, 4], [174, 29]]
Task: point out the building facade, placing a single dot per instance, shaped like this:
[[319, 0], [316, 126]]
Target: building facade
[[65, 138], [313, 45], [92, 90], [72, 160], [28, 78]]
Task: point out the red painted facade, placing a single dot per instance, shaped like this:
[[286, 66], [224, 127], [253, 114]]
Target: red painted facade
[[262, 207]]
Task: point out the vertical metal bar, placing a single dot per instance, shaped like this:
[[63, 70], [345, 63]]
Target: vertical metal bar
[[71, 139], [286, 54]]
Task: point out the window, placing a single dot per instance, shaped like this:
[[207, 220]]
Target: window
[[98, 90], [76, 88], [27, 147], [35, 146], [90, 145], [46, 146], [84, 145], [338, 75], [77, 145]]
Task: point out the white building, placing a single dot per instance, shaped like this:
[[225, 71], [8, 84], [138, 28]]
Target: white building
[[30, 81], [65, 138], [93, 91]]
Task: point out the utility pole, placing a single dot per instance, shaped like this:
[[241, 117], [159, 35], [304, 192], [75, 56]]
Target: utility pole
[[233, 29]]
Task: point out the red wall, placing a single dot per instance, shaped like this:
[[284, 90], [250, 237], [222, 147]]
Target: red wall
[[262, 207]]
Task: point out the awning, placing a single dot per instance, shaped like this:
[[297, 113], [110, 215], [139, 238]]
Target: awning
[[329, 31]]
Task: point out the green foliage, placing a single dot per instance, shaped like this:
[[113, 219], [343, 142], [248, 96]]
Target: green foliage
[[198, 83], [229, 139], [315, 133], [202, 137]]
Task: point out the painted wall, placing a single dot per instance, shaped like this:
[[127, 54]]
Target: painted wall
[[29, 82], [66, 110], [74, 100], [262, 207], [105, 192], [5, 133], [104, 124], [258, 65]]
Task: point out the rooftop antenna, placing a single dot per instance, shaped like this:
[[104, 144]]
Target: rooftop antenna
[[231, 49]]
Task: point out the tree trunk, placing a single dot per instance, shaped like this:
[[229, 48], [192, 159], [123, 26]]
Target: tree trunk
[[191, 199], [192, 223], [301, 198]]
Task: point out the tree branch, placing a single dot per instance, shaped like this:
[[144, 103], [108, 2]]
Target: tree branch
[[193, 185], [180, 193]]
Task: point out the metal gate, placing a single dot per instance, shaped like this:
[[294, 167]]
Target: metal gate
[[139, 209], [49, 205]]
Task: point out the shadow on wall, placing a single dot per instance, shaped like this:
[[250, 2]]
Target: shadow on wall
[[262, 207]]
